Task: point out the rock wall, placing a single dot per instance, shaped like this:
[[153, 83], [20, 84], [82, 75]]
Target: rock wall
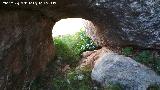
[[25, 47], [135, 21], [119, 22], [25, 31]]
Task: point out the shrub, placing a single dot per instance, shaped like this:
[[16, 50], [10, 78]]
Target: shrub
[[73, 80], [114, 87], [80, 80], [147, 58], [70, 47], [144, 57], [127, 51], [157, 65], [68, 51], [153, 87]]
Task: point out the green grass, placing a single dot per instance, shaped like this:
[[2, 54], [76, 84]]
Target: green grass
[[114, 87], [145, 57], [154, 87], [73, 80], [68, 52], [127, 51], [70, 47]]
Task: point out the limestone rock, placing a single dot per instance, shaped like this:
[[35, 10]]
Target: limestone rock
[[25, 30], [121, 22], [114, 68], [89, 58], [117, 22], [25, 47]]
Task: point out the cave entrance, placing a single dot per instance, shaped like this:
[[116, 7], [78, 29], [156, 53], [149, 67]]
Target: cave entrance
[[71, 38]]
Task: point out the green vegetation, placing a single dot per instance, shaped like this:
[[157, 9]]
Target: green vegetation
[[149, 58], [70, 47], [68, 52], [62, 74], [114, 87], [154, 87], [144, 57], [127, 51], [73, 80]]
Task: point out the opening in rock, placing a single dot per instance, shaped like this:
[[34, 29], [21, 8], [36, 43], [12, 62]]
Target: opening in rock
[[68, 26], [71, 39]]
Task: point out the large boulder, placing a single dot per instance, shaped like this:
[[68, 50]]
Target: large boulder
[[118, 69]]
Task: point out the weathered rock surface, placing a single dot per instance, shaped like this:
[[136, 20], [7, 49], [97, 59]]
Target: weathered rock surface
[[118, 22], [114, 68], [25, 47], [25, 30], [89, 58], [132, 22]]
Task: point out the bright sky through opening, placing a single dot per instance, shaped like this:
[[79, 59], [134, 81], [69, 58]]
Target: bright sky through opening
[[67, 26]]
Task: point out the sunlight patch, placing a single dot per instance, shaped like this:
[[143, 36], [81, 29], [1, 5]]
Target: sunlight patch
[[68, 26]]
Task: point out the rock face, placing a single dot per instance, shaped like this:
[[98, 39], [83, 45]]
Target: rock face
[[89, 58], [117, 22], [136, 22], [25, 47], [25, 31], [114, 68]]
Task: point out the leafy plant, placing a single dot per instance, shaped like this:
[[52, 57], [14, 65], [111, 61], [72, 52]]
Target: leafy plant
[[74, 80], [68, 51], [114, 87], [127, 51], [144, 57], [153, 87], [157, 64], [80, 80], [70, 47]]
